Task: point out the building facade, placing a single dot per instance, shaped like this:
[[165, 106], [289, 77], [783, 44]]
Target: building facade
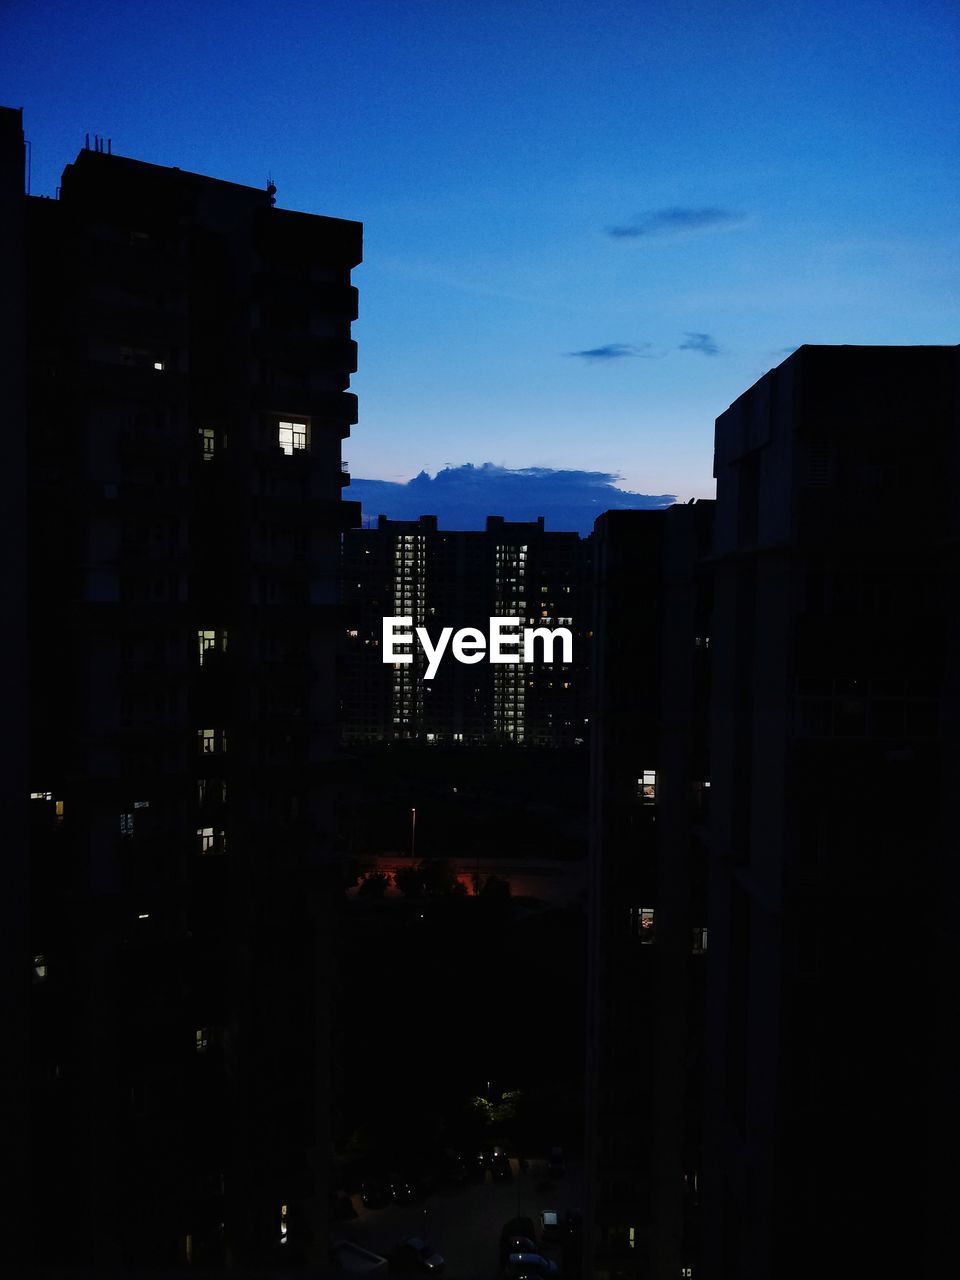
[[831, 839], [187, 359], [438, 578], [778, 1102], [647, 928]]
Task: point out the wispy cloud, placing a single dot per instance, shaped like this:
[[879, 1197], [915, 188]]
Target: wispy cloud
[[676, 221], [463, 496], [612, 351], [701, 342]]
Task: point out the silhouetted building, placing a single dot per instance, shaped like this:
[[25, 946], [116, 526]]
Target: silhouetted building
[[832, 827], [648, 935], [188, 352], [813, 647], [438, 578]]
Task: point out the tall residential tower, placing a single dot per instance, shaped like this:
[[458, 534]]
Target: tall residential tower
[[187, 358]]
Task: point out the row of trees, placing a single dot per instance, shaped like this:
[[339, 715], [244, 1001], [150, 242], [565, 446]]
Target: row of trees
[[432, 877]]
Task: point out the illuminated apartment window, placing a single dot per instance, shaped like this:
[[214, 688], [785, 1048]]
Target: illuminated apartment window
[[141, 804], [641, 923], [58, 810], [202, 1039], [41, 795], [208, 443], [284, 1225], [632, 1237], [211, 642], [210, 840], [39, 968], [212, 741], [292, 436], [647, 786], [699, 941], [126, 824], [158, 365]]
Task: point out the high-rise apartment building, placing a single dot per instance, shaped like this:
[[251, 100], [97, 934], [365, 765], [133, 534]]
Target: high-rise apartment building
[[187, 354], [769, 1079], [647, 934], [832, 848], [439, 578]]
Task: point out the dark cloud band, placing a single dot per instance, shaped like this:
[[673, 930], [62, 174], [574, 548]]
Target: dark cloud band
[[675, 221], [612, 351], [462, 497]]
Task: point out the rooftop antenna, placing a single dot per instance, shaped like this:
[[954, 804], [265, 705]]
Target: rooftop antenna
[[272, 190]]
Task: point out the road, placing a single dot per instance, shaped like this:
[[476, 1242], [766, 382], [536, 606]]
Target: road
[[464, 1223]]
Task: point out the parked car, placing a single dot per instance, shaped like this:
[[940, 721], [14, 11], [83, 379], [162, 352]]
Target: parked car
[[517, 1232], [348, 1256], [416, 1253], [551, 1227], [530, 1266]]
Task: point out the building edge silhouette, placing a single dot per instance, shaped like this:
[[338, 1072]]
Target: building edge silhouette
[[177, 398]]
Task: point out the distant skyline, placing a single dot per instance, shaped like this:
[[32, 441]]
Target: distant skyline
[[463, 497], [588, 228]]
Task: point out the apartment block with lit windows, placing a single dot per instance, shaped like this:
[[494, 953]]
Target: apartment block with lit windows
[[648, 934], [462, 578], [188, 355]]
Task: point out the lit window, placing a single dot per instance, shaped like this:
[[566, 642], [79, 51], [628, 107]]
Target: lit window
[[641, 923], [647, 786], [632, 1237], [126, 824], [292, 436], [208, 443], [141, 804], [41, 795], [158, 365], [699, 941], [39, 968], [58, 810], [211, 641], [211, 741], [210, 840], [202, 1039], [284, 1228]]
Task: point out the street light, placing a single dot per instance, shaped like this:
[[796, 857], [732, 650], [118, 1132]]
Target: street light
[[413, 832]]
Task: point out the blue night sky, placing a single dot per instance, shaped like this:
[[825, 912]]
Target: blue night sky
[[588, 227]]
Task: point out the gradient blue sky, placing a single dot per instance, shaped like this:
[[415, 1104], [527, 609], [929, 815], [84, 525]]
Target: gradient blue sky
[[779, 172]]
